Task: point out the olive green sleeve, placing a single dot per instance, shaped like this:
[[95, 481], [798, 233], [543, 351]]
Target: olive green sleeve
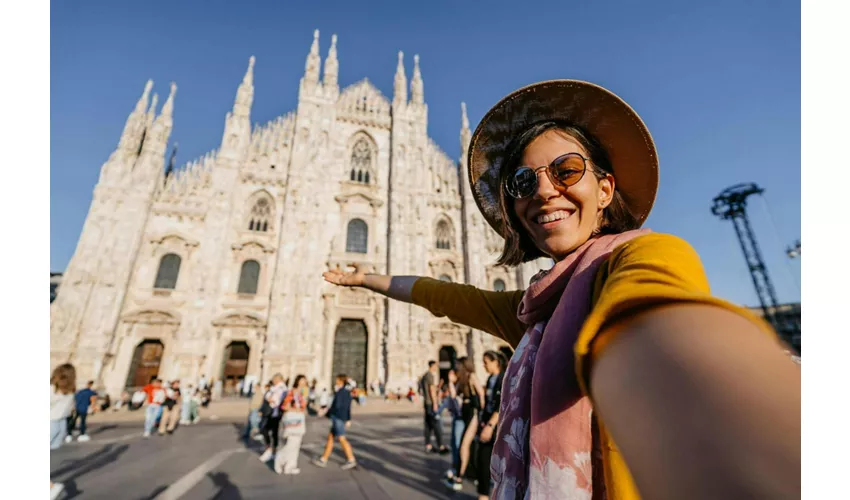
[[488, 311]]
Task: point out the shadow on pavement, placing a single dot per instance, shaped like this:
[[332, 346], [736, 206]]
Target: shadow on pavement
[[85, 465], [155, 492], [226, 489]]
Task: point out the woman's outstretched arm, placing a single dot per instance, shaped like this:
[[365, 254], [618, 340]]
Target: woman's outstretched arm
[[701, 403], [488, 311], [394, 287]]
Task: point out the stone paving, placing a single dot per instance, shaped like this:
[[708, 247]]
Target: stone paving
[[209, 460]]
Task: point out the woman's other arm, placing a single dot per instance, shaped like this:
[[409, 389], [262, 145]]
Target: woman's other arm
[[701, 403]]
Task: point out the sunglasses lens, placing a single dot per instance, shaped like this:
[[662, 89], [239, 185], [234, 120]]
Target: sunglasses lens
[[568, 169], [522, 183]]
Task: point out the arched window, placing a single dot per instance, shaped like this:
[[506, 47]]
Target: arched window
[[446, 278], [499, 285], [357, 237], [444, 236], [166, 275], [249, 276], [261, 213], [361, 161]]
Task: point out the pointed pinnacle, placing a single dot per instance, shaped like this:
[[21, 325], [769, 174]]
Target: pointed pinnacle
[[464, 120]]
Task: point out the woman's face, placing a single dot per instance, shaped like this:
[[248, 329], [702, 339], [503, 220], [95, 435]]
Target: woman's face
[[302, 383], [491, 366], [452, 376], [577, 207]]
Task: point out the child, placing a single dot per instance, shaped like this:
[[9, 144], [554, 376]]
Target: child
[[340, 415]]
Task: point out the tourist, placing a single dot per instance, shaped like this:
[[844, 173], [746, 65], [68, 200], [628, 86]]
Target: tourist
[[171, 408], [452, 402], [83, 400], [294, 426], [63, 381], [488, 420], [258, 399], [567, 170], [470, 392], [270, 431], [188, 397], [155, 398], [340, 415], [430, 399]]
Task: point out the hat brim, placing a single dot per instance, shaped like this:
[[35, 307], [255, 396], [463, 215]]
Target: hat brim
[[590, 107]]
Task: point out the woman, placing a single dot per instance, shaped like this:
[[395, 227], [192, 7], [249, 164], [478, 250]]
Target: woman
[[488, 422], [294, 426], [469, 391], [568, 170], [271, 428], [63, 382]]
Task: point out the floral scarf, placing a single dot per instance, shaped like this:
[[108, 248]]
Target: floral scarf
[[546, 445]]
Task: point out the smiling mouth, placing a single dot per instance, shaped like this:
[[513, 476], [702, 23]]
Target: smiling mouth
[[551, 219]]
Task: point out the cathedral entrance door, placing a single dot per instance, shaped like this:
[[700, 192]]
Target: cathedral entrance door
[[448, 358], [350, 343], [234, 366], [145, 365]]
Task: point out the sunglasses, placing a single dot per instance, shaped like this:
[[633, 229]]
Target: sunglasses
[[564, 171]]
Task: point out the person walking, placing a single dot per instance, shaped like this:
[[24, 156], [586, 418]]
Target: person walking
[[253, 424], [170, 408], [605, 339], [270, 431], [470, 393], [494, 365], [83, 400], [155, 399], [431, 402], [294, 424], [63, 381], [339, 413]]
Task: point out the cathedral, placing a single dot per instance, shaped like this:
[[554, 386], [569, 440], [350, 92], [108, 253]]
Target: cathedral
[[214, 269]]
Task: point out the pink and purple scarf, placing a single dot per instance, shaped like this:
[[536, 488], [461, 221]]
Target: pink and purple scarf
[[545, 446]]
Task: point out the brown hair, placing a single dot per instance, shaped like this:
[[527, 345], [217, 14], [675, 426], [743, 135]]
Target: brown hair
[[498, 357], [64, 379], [464, 368], [616, 217]]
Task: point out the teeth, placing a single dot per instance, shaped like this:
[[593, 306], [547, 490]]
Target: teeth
[[560, 214]]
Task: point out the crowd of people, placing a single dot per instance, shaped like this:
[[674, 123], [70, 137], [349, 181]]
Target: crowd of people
[[280, 409]]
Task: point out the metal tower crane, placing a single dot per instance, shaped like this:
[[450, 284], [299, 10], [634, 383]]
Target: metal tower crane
[[731, 204]]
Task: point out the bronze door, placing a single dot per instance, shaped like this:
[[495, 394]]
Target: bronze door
[[235, 365], [145, 363], [350, 351]]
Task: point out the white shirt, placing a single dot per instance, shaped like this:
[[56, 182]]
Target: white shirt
[[61, 405]]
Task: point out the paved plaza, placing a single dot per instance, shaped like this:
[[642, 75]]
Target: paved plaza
[[208, 460]]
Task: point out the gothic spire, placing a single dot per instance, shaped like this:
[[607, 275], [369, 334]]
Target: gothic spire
[[465, 134], [400, 83], [152, 110], [245, 92], [134, 127], [168, 107], [331, 78], [142, 105], [311, 69], [417, 91]]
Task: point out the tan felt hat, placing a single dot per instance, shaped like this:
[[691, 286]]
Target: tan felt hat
[[590, 107]]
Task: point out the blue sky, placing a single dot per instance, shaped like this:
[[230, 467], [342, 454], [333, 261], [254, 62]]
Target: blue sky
[[718, 84]]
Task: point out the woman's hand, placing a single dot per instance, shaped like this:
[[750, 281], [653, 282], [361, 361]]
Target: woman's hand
[[340, 277], [486, 434]]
